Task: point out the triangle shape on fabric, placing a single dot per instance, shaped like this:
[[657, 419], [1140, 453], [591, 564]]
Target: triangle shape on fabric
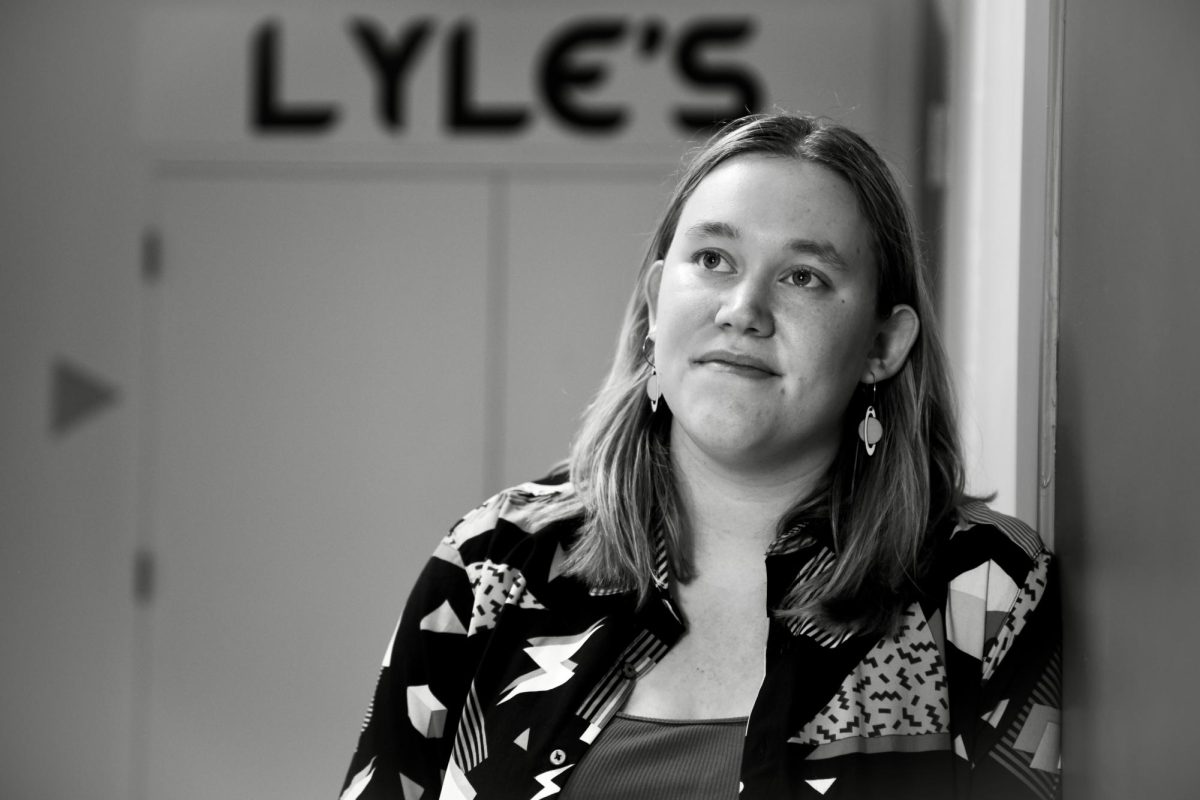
[[556, 563], [443, 620], [412, 790], [449, 554], [821, 785]]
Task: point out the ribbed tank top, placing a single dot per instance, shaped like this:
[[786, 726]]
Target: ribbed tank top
[[663, 759]]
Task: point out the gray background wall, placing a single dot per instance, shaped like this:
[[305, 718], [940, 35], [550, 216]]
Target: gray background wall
[[310, 394], [70, 207], [1127, 433]]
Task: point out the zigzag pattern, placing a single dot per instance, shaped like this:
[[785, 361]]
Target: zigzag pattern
[[495, 586], [899, 688], [1027, 600]]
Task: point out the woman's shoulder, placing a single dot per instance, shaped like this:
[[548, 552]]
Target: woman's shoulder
[[978, 525], [997, 571], [512, 518], [978, 535]]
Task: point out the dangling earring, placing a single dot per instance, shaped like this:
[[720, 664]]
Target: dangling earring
[[870, 430], [652, 390]]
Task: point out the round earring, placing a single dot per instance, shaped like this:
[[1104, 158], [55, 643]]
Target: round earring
[[870, 430]]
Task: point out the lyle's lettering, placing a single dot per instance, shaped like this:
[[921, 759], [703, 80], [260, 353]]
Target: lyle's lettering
[[574, 63]]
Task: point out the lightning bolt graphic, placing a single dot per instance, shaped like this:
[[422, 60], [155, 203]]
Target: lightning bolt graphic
[[360, 782], [546, 779], [552, 654]]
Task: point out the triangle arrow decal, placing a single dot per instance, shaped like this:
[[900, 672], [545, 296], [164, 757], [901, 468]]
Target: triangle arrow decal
[[76, 395]]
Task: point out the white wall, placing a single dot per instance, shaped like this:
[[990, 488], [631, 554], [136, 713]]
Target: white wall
[[994, 241]]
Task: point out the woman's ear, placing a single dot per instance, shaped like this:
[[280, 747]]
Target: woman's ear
[[893, 340], [653, 281]]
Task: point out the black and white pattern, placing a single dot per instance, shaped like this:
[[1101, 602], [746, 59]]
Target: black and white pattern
[[504, 671]]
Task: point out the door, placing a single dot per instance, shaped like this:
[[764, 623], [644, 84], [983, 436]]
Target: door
[[316, 423]]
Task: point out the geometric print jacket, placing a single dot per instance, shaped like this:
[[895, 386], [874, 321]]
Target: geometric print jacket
[[502, 670]]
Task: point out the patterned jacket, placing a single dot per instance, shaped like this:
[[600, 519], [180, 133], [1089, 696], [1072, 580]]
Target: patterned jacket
[[502, 671]]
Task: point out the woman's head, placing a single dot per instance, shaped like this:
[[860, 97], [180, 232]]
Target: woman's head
[[834, 147], [764, 317], [724, 250]]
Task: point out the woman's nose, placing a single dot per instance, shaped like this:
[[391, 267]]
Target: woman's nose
[[746, 308]]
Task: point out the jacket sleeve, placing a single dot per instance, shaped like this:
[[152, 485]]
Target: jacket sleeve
[[407, 736], [1004, 635]]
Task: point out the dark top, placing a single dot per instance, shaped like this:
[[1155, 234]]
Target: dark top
[[662, 759], [503, 671]]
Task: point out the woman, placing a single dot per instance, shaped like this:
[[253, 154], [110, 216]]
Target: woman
[[759, 571]]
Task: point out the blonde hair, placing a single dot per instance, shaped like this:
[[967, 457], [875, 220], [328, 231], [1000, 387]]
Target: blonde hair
[[881, 509]]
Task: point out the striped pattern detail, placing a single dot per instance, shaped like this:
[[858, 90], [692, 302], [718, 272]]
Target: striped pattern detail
[[662, 570], [816, 565], [606, 591], [802, 626], [610, 694], [1028, 597], [825, 638], [971, 514], [470, 743], [1047, 693], [791, 541]]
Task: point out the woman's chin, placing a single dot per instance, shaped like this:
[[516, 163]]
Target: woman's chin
[[735, 443], [731, 444]]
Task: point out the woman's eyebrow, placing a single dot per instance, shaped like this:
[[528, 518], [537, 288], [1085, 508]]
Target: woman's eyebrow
[[714, 229], [821, 248]]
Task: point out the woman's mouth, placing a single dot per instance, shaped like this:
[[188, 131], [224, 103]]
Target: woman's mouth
[[737, 363]]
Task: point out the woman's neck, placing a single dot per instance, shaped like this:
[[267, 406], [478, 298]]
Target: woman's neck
[[733, 514]]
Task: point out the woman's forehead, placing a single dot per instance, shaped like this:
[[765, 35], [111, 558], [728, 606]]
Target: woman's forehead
[[798, 204]]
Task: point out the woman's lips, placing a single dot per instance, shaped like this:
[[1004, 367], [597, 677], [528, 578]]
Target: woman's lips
[[737, 363]]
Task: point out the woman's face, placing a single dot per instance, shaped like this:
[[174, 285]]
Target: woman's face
[[763, 314]]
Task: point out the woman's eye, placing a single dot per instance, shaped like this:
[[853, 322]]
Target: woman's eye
[[710, 259], [804, 278]]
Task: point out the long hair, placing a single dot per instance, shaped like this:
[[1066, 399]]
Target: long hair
[[881, 509]]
